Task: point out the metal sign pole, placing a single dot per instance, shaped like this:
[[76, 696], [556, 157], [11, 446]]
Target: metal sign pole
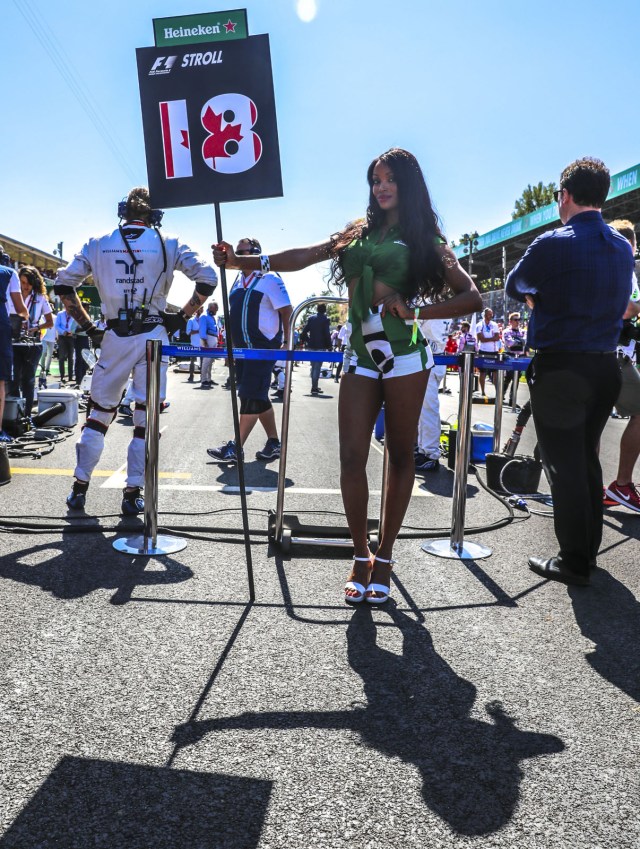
[[150, 543], [497, 413], [457, 548], [234, 411]]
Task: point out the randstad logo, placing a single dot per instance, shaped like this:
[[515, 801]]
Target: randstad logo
[[162, 65]]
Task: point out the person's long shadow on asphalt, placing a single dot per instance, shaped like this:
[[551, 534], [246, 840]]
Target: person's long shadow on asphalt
[[67, 573], [608, 614], [418, 709]]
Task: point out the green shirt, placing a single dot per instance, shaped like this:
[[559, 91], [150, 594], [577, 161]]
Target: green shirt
[[388, 260]]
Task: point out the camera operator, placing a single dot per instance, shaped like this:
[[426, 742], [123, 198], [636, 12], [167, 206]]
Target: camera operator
[[9, 292], [132, 268], [27, 350]]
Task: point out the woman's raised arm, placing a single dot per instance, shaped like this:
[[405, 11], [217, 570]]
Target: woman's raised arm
[[291, 260]]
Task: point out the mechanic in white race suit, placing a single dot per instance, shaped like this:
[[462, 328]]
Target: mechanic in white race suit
[[132, 268], [435, 332]]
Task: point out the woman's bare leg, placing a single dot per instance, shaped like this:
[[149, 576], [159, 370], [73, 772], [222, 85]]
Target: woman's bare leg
[[359, 404], [403, 398]]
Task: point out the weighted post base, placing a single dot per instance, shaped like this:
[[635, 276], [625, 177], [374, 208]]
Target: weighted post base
[[466, 551], [140, 545]]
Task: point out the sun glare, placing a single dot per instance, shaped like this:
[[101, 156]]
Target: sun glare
[[306, 10]]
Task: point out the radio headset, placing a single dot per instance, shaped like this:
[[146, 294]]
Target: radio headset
[[131, 318]]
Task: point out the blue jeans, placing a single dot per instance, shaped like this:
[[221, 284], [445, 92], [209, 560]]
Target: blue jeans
[[315, 374]]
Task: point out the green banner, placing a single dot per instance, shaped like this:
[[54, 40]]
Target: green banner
[[625, 181], [195, 29]]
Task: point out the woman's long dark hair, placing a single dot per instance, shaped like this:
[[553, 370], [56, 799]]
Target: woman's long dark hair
[[418, 221]]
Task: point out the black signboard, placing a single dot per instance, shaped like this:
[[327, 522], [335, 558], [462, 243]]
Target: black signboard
[[209, 119]]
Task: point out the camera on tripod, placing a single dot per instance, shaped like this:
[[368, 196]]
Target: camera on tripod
[[630, 332]]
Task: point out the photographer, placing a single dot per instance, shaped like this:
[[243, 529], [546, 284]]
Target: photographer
[[514, 340], [132, 268], [9, 292], [27, 350]]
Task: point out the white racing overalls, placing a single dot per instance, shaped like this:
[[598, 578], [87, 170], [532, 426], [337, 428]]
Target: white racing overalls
[[147, 281]]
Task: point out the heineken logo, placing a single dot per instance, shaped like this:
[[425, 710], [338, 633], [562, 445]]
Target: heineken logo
[[182, 32], [191, 29]]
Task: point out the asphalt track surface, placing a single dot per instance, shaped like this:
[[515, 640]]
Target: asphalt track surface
[[144, 703]]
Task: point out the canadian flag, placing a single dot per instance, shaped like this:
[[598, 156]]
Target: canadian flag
[[175, 139]]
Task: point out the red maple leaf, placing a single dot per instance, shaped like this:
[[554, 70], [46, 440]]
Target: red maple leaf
[[214, 146]]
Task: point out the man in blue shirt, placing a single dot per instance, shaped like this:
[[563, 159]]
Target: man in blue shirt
[[208, 339], [577, 282]]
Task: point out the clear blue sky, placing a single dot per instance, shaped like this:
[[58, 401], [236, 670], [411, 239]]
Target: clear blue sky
[[489, 95]]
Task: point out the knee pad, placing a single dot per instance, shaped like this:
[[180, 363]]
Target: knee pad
[[99, 413], [99, 418], [140, 415], [254, 406]]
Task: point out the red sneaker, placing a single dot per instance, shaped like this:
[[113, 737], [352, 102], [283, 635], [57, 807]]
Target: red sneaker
[[606, 501], [626, 494]]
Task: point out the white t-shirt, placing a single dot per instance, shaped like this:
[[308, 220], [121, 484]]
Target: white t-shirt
[[50, 334], [37, 305], [274, 297], [488, 330], [14, 286], [436, 333], [630, 349]]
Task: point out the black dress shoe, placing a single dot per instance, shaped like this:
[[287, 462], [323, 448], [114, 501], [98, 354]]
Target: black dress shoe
[[554, 569]]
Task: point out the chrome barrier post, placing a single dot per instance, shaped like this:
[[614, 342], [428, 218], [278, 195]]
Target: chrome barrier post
[[497, 413], [456, 547], [516, 385], [150, 543], [284, 426]]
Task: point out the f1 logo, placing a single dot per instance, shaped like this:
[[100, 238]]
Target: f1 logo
[[162, 65]]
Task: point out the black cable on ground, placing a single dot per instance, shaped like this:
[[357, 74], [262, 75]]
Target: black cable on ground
[[37, 443]]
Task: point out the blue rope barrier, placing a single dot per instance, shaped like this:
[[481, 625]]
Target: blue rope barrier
[[517, 364]]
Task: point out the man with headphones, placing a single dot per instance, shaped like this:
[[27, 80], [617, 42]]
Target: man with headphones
[[259, 313], [132, 268]]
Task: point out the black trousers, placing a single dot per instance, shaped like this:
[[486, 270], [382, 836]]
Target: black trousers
[[25, 363], [80, 344], [572, 395], [65, 355]]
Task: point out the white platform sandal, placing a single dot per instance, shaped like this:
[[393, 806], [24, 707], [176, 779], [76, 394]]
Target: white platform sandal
[[360, 589], [383, 589]]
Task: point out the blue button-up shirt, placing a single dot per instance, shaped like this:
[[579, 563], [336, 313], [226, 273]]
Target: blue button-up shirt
[[208, 326], [580, 278]]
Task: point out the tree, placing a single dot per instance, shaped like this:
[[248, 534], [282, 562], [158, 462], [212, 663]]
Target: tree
[[533, 197]]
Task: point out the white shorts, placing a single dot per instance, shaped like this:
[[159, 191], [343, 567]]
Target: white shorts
[[402, 365]]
